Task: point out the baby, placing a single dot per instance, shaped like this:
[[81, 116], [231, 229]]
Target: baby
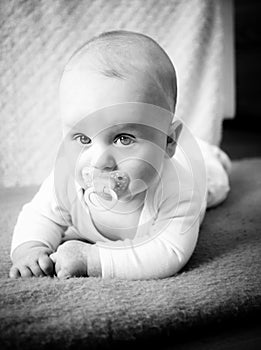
[[118, 202]]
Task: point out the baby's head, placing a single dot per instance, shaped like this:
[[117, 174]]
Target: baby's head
[[126, 56], [117, 100]]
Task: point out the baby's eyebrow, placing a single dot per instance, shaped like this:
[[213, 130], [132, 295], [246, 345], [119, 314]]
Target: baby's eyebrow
[[128, 127], [137, 129]]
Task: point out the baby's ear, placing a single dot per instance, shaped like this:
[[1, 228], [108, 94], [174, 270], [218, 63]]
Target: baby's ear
[[173, 136]]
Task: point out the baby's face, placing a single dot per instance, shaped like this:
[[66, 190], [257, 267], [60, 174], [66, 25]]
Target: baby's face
[[105, 132]]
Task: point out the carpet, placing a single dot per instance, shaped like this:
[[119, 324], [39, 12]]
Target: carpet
[[220, 284]]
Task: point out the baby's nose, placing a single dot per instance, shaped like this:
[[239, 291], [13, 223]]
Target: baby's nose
[[103, 160]]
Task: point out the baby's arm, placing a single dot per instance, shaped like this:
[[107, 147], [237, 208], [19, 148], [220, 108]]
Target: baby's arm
[[160, 254], [37, 233]]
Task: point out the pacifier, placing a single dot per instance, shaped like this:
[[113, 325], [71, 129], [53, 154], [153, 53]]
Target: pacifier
[[109, 186]]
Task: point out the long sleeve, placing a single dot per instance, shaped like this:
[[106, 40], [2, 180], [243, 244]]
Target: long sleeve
[[168, 244], [43, 219]]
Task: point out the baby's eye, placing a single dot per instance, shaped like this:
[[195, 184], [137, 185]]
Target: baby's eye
[[82, 139], [124, 140]]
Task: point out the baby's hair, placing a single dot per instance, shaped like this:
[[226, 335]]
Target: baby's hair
[[118, 54]]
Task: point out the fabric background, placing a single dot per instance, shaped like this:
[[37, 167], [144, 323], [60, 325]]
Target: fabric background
[[38, 37]]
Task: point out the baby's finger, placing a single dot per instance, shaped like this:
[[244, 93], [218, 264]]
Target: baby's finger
[[25, 272], [14, 272], [63, 274], [53, 257], [46, 265], [36, 270]]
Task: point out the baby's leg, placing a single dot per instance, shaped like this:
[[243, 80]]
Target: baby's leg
[[218, 166]]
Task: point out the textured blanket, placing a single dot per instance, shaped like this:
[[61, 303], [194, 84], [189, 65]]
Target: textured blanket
[[220, 284]]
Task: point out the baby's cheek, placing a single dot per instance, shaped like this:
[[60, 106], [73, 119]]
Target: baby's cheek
[[152, 154], [75, 161], [80, 165], [151, 159], [145, 172], [72, 153]]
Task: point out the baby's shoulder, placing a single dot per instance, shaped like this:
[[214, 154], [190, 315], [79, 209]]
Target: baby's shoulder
[[175, 176]]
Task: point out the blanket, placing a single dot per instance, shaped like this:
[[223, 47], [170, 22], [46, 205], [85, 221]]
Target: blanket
[[220, 284]]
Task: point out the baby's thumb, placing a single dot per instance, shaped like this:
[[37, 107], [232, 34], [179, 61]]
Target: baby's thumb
[[53, 257], [63, 274]]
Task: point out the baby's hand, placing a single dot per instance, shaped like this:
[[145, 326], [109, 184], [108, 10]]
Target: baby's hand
[[31, 259], [71, 259]]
